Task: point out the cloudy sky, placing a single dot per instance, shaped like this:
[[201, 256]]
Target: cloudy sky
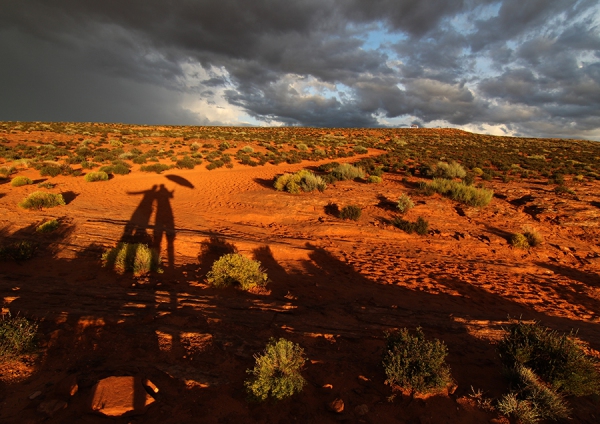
[[501, 67]]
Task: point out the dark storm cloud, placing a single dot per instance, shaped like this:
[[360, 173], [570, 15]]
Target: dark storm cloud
[[530, 65]]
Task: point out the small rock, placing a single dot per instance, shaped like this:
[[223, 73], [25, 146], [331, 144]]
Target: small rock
[[361, 410], [327, 386], [67, 387], [34, 395], [51, 407], [119, 396], [336, 406], [150, 386]]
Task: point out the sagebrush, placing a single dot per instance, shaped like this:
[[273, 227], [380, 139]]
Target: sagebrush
[[41, 199], [17, 336], [413, 363], [277, 372], [234, 269]]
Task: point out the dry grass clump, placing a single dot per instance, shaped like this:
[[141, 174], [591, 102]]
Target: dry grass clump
[[346, 171], [41, 199], [459, 191], [277, 371], [530, 237], [450, 170], [234, 269], [132, 257], [414, 363], [303, 180]]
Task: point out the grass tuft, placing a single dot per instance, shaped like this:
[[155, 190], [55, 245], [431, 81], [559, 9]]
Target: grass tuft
[[352, 212], [132, 257], [91, 177], [459, 191], [40, 199]]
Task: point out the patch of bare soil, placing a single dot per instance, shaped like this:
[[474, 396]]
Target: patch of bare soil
[[336, 287]]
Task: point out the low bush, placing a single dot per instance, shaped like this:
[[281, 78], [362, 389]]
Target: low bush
[[374, 179], [237, 270], [421, 226], [215, 164], [48, 226], [405, 203], [186, 163], [459, 191], [277, 371], [345, 171], [132, 257], [119, 169], [352, 212], [558, 359], [159, 168], [449, 170], [360, 150], [41, 199], [303, 180], [18, 251], [20, 181], [7, 171], [17, 336], [414, 363], [46, 184], [247, 149], [50, 170], [91, 177]]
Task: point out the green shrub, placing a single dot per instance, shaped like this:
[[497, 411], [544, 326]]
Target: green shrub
[[374, 179], [247, 149], [460, 192], [519, 241], [277, 371], [41, 199], [345, 171], [421, 226], [558, 359], [120, 169], [155, 167], [48, 226], [562, 189], [405, 203], [50, 170], [415, 364], [18, 251], [20, 181], [17, 336], [303, 180], [132, 257], [7, 171], [352, 212], [215, 164], [450, 170], [360, 150], [302, 147], [186, 163], [91, 177], [234, 269]]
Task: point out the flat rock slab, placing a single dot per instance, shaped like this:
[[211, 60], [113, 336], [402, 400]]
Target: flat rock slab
[[119, 396]]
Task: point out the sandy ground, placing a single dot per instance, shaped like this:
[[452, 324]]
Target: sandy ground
[[336, 287]]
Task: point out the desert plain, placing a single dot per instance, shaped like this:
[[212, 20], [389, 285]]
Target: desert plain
[[336, 286]]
